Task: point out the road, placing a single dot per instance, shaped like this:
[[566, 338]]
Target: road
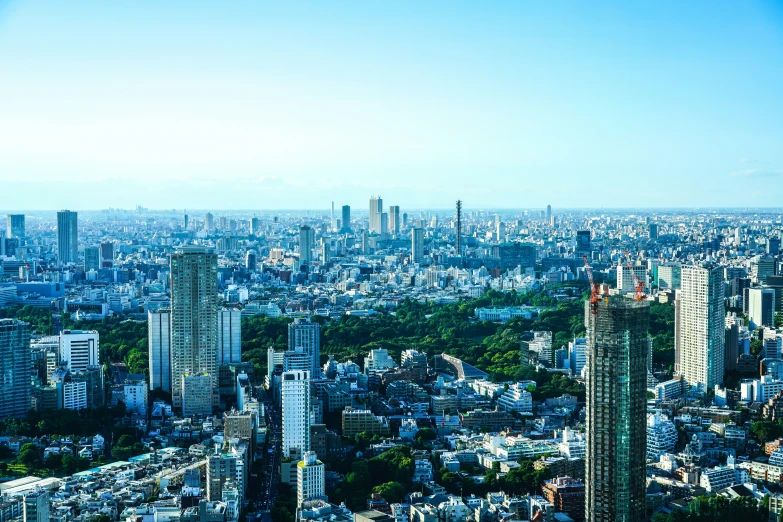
[[271, 478]]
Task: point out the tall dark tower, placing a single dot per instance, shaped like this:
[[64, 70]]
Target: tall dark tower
[[459, 228], [617, 345]]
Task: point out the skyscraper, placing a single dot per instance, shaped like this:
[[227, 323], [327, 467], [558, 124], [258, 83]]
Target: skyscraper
[[92, 258], [761, 307], [376, 209], [254, 230], [193, 316], [159, 347], [295, 394], [15, 361], [107, 255], [616, 410], [229, 349], [209, 222], [346, 220], [549, 213], [306, 244], [417, 245], [394, 219], [15, 227], [67, 237], [303, 333], [699, 324]]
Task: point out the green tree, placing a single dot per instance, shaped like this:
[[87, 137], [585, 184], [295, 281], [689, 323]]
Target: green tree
[[28, 455], [390, 491]]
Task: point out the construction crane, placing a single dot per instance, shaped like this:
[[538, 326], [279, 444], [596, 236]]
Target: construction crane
[[639, 294], [594, 294]]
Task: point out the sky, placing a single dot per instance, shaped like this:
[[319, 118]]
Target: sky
[[293, 105]]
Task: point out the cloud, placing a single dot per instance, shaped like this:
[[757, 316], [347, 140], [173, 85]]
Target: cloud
[[757, 173]]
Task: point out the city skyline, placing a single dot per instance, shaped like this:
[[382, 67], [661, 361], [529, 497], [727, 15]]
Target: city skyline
[[419, 103]]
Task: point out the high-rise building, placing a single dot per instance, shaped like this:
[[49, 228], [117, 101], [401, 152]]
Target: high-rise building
[[15, 226], [15, 362], [254, 230], [79, 349], [159, 347], [669, 276], [194, 304], [653, 230], [229, 349], [92, 258], [36, 506], [384, 224], [67, 237], [376, 209], [251, 260], [295, 395], [549, 213], [417, 245], [346, 219], [394, 219], [310, 482], [306, 244], [107, 255], [197, 394], [761, 307], [616, 410], [209, 222], [302, 333], [699, 324], [230, 464]]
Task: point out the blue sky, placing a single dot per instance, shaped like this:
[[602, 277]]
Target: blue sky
[[517, 104]]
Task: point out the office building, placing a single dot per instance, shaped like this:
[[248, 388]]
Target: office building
[[230, 464], [616, 409], [653, 230], [209, 222], [306, 334], [306, 244], [251, 260], [417, 245], [310, 483], [296, 413], [92, 258], [136, 395], [254, 228], [194, 328], [549, 213], [229, 349], [15, 362], [394, 219], [36, 506], [761, 307], [107, 255], [79, 349], [346, 220], [197, 394], [626, 275], [567, 495], [67, 237], [15, 227], [376, 209], [669, 276], [583, 242], [159, 348], [699, 324]]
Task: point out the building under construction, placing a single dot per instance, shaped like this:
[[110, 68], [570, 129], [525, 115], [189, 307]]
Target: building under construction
[[617, 350]]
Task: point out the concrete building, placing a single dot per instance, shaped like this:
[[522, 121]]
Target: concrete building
[[394, 219], [699, 327], [345, 227], [79, 349], [306, 334], [669, 276], [36, 506], [15, 363], [67, 237], [616, 409], [376, 209], [661, 435], [92, 258], [516, 398], [15, 226], [296, 413], [229, 349], [194, 331], [356, 421], [197, 393], [761, 307], [310, 483], [417, 245], [306, 245], [229, 464], [159, 347]]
